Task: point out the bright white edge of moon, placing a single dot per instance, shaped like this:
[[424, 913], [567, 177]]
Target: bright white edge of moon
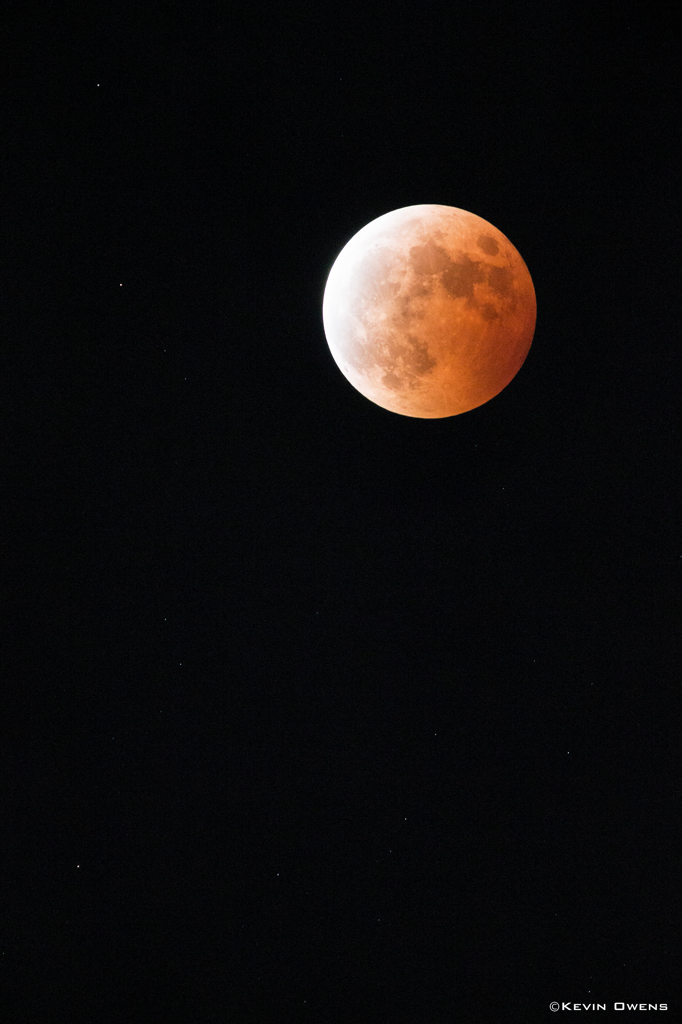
[[339, 275]]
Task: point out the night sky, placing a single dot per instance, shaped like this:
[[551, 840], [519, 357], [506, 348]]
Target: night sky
[[313, 711]]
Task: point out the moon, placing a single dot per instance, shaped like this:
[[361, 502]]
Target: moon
[[429, 311]]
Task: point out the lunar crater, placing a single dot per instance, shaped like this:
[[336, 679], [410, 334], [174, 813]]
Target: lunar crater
[[406, 362]]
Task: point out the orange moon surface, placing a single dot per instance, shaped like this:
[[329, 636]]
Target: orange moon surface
[[429, 311]]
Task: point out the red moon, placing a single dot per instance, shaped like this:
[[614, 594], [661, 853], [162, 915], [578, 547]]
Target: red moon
[[429, 311]]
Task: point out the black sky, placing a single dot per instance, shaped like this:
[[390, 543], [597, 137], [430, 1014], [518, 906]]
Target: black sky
[[314, 711]]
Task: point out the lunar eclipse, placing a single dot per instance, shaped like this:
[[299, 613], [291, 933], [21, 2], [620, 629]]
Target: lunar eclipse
[[429, 311]]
